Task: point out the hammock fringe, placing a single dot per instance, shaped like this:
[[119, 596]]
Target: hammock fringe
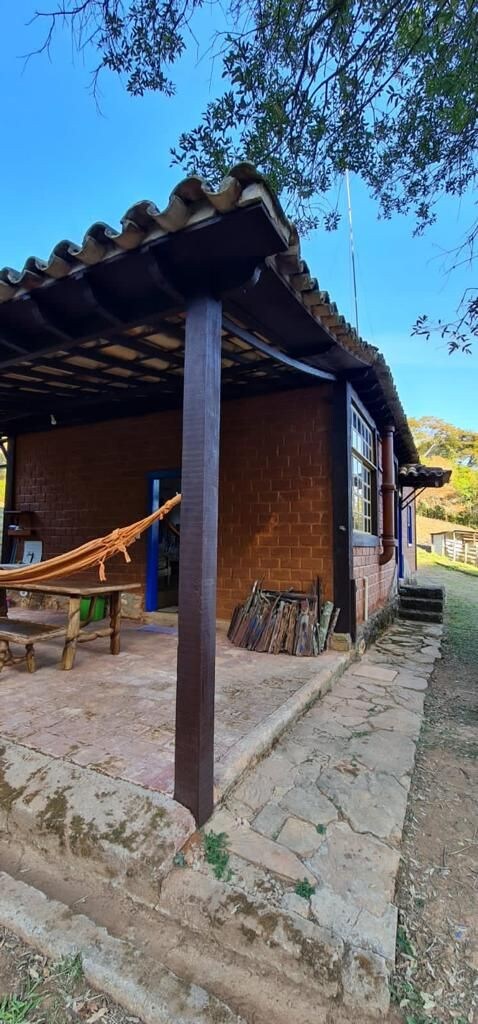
[[87, 556]]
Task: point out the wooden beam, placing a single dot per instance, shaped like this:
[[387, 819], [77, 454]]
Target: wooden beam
[[274, 353], [342, 508], [194, 756]]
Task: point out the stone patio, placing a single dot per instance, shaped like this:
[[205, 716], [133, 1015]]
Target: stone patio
[[115, 715]]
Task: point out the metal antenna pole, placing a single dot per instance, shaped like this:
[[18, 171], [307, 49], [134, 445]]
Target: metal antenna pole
[[352, 248]]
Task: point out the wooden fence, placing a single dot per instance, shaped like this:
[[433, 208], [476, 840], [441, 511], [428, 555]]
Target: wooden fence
[[462, 549]]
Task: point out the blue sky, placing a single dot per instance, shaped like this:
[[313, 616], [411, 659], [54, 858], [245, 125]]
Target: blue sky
[[65, 165]]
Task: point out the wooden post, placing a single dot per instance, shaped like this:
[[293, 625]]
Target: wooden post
[[9, 504], [72, 631], [115, 622], [30, 657], [194, 753], [342, 509]]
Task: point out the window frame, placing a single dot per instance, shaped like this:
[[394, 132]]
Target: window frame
[[364, 538]]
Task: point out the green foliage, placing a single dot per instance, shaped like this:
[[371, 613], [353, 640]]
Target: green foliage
[[416, 1004], [385, 88], [434, 437], [403, 942], [217, 854], [457, 449], [321, 829], [304, 889]]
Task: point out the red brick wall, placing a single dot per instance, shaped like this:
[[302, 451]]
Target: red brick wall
[[275, 491]]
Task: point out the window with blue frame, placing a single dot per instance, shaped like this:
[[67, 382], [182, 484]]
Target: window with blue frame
[[409, 525]]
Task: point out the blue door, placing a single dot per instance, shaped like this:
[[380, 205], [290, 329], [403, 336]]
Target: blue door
[[162, 560]]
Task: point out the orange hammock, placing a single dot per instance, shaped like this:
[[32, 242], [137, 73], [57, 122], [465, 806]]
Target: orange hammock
[[94, 552]]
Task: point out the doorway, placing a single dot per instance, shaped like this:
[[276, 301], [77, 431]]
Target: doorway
[[163, 541]]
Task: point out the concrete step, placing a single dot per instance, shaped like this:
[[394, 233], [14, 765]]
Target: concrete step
[[410, 590], [426, 604], [142, 985], [419, 615]]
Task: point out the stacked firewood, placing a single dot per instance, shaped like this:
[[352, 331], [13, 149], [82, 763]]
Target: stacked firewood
[[283, 622]]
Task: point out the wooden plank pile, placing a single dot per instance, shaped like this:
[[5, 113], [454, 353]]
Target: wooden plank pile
[[283, 622]]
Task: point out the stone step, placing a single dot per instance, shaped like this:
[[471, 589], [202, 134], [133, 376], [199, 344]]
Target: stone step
[[426, 604], [282, 946], [409, 590], [112, 965], [420, 616], [89, 823]]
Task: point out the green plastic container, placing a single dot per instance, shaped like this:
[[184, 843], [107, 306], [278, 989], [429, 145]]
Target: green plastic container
[[99, 611]]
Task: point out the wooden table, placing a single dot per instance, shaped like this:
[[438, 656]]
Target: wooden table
[[75, 590]]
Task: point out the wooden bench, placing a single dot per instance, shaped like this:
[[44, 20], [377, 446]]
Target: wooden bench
[[19, 631]]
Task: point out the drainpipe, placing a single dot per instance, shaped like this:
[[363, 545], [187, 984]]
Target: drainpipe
[[389, 541]]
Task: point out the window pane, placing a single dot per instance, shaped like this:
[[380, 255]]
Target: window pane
[[362, 437], [361, 496]]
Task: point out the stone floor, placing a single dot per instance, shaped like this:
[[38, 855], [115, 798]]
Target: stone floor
[[116, 714], [328, 805]]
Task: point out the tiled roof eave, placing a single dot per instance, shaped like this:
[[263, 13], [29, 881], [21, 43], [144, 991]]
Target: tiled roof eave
[[192, 203], [416, 476]]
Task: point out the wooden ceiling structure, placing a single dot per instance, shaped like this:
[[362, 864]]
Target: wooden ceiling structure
[[105, 339]]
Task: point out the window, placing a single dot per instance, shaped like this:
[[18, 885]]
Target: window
[[409, 526], [363, 474]]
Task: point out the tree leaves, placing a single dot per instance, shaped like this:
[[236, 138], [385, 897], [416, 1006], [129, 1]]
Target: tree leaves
[[385, 88]]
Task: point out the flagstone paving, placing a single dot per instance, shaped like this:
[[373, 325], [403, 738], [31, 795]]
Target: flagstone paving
[[328, 806], [116, 715]]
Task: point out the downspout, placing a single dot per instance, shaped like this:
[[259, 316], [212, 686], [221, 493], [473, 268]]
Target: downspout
[[389, 541]]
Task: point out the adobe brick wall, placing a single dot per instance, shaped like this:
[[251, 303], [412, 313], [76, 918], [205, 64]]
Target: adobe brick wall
[[276, 496], [275, 491]]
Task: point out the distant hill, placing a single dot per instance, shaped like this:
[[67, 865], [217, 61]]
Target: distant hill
[[426, 526], [443, 444]]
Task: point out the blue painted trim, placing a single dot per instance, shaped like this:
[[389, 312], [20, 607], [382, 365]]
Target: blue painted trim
[[409, 526], [153, 535], [400, 539]]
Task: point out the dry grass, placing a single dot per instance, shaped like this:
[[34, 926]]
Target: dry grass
[[426, 526]]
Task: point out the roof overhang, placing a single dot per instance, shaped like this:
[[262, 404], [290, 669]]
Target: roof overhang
[[418, 477], [62, 320]]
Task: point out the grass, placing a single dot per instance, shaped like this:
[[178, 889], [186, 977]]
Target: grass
[[70, 968], [429, 558], [22, 1009], [16, 1010]]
